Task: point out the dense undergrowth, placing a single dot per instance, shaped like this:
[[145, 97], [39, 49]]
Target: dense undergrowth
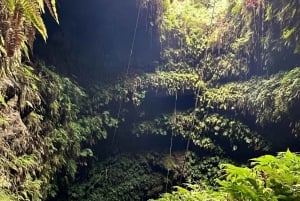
[[224, 54], [269, 178], [145, 175], [228, 58], [55, 135], [44, 127]]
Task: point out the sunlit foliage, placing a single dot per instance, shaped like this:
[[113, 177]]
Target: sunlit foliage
[[270, 178], [221, 53]]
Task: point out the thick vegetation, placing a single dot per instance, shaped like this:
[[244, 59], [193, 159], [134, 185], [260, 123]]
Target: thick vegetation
[[235, 95], [50, 134], [43, 127], [225, 55], [270, 178], [226, 84]]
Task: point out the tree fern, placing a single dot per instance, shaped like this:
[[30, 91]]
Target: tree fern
[[32, 13], [18, 21]]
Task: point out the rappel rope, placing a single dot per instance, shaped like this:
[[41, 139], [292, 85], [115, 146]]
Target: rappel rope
[[174, 114], [171, 139], [196, 101], [128, 66]]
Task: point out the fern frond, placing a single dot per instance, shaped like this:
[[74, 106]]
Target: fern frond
[[2, 51], [13, 32], [51, 4], [41, 5], [19, 20], [13, 41], [8, 42], [17, 17], [11, 5], [2, 48], [25, 50], [32, 13], [30, 34]]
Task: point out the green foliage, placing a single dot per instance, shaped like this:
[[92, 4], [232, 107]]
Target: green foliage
[[290, 26], [139, 176], [208, 131], [204, 170], [23, 170], [33, 122], [68, 127], [269, 100], [93, 128], [199, 36], [195, 193], [213, 50], [205, 45], [125, 176], [4, 196], [2, 101], [30, 96], [158, 126], [270, 178], [57, 130], [3, 121], [170, 82], [295, 128], [135, 88]]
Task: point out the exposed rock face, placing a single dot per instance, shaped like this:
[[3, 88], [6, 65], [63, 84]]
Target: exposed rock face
[[13, 118], [14, 126], [14, 135]]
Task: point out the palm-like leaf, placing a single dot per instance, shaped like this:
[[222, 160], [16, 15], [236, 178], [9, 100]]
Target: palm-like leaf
[[18, 21]]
